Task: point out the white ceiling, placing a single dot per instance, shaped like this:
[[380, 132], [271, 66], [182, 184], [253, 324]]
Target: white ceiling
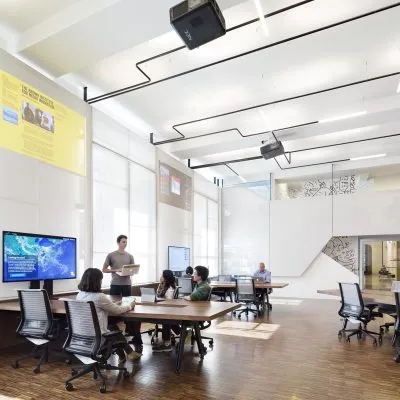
[[98, 44]]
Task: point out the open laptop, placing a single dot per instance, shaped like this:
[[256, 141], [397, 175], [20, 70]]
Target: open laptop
[[259, 279], [148, 295], [129, 270]]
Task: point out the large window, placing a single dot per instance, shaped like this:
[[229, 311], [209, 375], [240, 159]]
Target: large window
[[205, 239], [124, 203]]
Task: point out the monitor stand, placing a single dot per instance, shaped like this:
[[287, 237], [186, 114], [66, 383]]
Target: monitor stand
[[34, 285], [48, 287]]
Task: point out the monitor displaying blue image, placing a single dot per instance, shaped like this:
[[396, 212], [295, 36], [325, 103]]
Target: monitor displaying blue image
[[32, 257], [178, 258]]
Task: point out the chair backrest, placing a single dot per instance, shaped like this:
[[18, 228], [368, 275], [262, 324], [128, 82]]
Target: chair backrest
[[352, 301], [245, 290], [396, 291], [36, 316], [176, 292], [84, 335], [185, 285]]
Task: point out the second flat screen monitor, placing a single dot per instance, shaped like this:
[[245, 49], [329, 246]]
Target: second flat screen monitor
[[178, 258]]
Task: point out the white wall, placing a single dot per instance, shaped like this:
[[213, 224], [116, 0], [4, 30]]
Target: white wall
[[300, 229], [323, 273], [40, 198], [174, 225], [245, 230], [372, 213]]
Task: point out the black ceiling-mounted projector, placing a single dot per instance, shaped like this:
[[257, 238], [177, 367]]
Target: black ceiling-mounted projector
[[272, 150], [197, 21]]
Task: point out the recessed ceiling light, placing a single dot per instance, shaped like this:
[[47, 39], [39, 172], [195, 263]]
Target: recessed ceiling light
[[366, 157], [260, 13], [346, 116]]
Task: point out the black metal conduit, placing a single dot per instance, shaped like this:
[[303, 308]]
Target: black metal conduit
[[375, 78], [301, 35], [148, 81], [297, 151]]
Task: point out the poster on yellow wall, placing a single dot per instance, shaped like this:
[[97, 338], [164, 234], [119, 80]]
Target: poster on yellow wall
[[37, 126]]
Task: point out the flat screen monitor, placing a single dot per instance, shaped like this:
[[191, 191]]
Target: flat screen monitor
[[32, 257], [178, 258]]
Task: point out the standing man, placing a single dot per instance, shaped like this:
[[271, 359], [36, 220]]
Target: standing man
[[122, 285]]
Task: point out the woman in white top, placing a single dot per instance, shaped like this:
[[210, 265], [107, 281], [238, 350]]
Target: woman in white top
[[166, 289], [90, 290]]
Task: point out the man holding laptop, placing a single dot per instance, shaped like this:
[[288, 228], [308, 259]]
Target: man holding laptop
[[121, 285]]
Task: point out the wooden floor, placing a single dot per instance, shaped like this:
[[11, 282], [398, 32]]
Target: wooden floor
[[300, 359]]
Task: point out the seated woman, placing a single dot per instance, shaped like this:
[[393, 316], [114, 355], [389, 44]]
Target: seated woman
[[90, 290], [166, 289]]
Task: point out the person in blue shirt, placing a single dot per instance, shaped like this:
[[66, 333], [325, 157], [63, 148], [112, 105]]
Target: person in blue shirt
[[263, 272]]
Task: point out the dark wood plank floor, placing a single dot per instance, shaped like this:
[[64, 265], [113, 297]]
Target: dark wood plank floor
[[302, 360]]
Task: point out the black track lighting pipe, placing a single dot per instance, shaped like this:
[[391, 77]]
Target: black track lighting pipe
[[148, 81], [297, 151]]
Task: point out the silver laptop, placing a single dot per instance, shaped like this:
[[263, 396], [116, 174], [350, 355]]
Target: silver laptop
[[259, 279], [148, 295]]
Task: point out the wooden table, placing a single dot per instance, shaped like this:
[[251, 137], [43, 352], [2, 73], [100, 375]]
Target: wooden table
[[182, 312], [368, 295], [229, 287]]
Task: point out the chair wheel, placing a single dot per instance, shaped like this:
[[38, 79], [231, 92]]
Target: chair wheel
[[340, 334], [173, 341], [36, 370], [234, 313], [126, 374], [103, 389], [375, 343], [15, 364], [69, 387], [239, 316], [68, 361], [381, 331], [74, 372], [380, 340], [152, 341], [211, 343], [149, 333], [348, 340]]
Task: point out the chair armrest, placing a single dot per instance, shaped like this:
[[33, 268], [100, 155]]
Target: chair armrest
[[111, 334]]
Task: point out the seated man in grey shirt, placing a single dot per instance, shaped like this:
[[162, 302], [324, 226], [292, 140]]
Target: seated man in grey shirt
[[122, 285]]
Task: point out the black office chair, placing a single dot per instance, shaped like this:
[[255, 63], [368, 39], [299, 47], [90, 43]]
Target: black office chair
[[221, 293], [355, 311], [396, 335], [246, 293], [87, 344], [36, 325]]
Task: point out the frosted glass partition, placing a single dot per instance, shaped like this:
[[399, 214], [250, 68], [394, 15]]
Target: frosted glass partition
[[212, 237], [205, 239], [245, 227], [142, 219], [124, 202]]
